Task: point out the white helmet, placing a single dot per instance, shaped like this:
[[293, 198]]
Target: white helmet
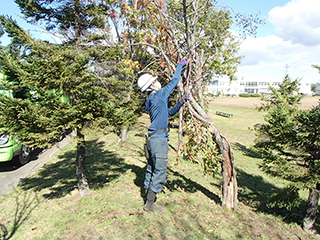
[[145, 81]]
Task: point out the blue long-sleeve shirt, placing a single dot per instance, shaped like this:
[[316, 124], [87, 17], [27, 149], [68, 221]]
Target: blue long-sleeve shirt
[[157, 105]]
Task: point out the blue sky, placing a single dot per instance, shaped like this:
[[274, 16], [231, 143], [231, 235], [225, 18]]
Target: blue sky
[[290, 38], [11, 9], [262, 7]]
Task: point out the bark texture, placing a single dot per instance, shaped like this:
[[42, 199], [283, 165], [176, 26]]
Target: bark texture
[[312, 209], [83, 185], [229, 174], [123, 136]]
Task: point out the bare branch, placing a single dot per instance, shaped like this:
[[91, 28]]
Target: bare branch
[[199, 110], [194, 113], [147, 66]]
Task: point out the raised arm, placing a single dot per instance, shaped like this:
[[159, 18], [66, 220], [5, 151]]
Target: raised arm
[[167, 90]]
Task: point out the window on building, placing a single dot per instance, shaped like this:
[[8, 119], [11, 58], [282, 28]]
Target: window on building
[[215, 83], [249, 90], [251, 84]]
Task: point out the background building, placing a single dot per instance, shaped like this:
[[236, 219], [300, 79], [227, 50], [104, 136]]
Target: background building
[[317, 93], [223, 86]]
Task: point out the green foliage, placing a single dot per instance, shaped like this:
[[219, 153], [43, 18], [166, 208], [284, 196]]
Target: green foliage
[[245, 95], [276, 135], [287, 95], [12, 28], [74, 18], [317, 67], [201, 147], [289, 140], [287, 198], [282, 107], [308, 141], [33, 124], [50, 71]]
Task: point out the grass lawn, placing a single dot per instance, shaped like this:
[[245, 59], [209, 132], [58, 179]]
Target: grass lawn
[[46, 205]]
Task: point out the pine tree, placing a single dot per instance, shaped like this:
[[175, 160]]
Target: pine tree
[[94, 24], [50, 72], [289, 143], [308, 142]]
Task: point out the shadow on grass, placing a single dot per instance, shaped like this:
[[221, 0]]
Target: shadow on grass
[[24, 203], [59, 178], [188, 185], [262, 191], [255, 192], [246, 151]]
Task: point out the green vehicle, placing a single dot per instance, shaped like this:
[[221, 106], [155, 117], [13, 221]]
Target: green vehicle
[[11, 149]]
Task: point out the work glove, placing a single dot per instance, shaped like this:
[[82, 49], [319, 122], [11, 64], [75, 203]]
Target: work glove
[[184, 98], [183, 62]]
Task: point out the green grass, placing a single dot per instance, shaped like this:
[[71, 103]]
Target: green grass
[[47, 205]]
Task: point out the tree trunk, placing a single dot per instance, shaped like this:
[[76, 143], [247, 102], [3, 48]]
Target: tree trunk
[[124, 131], [83, 185], [312, 209], [123, 135], [229, 174]]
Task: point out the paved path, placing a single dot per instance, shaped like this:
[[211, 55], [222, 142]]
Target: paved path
[[10, 176]]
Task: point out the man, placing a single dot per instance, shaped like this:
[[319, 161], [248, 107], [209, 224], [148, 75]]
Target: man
[[157, 107]]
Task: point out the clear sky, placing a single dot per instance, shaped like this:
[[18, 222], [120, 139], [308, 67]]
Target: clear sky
[[289, 40]]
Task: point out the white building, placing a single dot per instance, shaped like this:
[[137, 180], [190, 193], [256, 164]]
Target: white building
[[317, 93], [223, 86]]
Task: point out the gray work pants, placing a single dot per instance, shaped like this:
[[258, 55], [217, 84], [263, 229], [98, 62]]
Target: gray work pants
[[157, 164]]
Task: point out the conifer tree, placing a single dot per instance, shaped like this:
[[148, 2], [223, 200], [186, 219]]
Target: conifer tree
[[289, 143], [51, 71], [84, 28], [94, 24], [308, 142]]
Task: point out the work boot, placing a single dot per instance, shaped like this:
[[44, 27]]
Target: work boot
[[161, 204], [150, 204]]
